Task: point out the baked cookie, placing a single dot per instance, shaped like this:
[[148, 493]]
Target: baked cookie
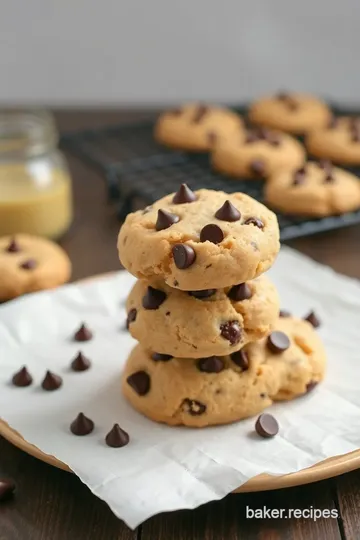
[[195, 127], [257, 154], [30, 263], [219, 390], [316, 189], [339, 141], [200, 240], [291, 112], [201, 323]]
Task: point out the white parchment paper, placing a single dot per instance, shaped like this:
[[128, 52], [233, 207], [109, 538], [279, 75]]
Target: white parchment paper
[[165, 468]]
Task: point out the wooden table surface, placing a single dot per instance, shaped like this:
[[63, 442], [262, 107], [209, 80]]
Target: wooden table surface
[[55, 505]]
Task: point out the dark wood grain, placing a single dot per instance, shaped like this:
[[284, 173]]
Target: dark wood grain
[[54, 505]]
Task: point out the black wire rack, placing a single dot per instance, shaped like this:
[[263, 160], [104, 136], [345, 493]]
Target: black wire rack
[[138, 171]]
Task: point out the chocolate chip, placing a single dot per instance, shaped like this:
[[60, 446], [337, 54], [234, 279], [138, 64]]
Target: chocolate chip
[[184, 256], [30, 264], [82, 425], [184, 195], [231, 331], [273, 139], [80, 363], [211, 233], [266, 426], [241, 359], [199, 113], [206, 293], [83, 333], [22, 378], [240, 292], [158, 357], [278, 342], [257, 167], [176, 283], [153, 298], [228, 212], [131, 317], [7, 488], [290, 102], [254, 246], [254, 221], [117, 437], [251, 137], [299, 176], [313, 319], [211, 137], [325, 164], [165, 220], [213, 364], [13, 246], [193, 407], [311, 385], [284, 313], [329, 178], [140, 382], [51, 381]]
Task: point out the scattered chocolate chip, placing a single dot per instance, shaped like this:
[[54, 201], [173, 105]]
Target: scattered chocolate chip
[[257, 166], [82, 425], [158, 357], [51, 381], [255, 246], [117, 437], [206, 293], [325, 164], [241, 359], [153, 298], [273, 139], [329, 178], [240, 292], [310, 386], [13, 246], [266, 426], [7, 488], [299, 176], [278, 342], [83, 333], [231, 331], [131, 317], [254, 221], [228, 212], [184, 195], [176, 283], [184, 256], [165, 220], [213, 364], [193, 407], [262, 395], [22, 378], [80, 363], [211, 136], [30, 264], [140, 382], [199, 113], [211, 233], [251, 137], [284, 313], [167, 313], [289, 101], [313, 319]]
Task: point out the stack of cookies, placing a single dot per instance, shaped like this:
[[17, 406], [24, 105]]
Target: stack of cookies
[[212, 346]]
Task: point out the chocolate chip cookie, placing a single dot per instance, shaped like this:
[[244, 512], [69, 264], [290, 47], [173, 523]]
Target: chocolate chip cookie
[[196, 127], [315, 189], [218, 390], [201, 323], [30, 263], [291, 112], [339, 141], [200, 240], [256, 154]]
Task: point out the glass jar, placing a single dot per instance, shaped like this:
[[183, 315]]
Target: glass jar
[[35, 184]]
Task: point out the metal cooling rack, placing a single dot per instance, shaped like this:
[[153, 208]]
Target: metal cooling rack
[[138, 171]]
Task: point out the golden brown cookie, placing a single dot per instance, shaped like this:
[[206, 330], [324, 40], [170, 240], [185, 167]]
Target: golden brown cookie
[[30, 263], [339, 141], [219, 390], [201, 323], [200, 240], [256, 154], [316, 189], [291, 112], [195, 127]]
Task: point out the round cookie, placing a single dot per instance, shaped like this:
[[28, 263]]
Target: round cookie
[[316, 189], [339, 141], [291, 112], [30, 263], [257, 154], [201, 323], [202, 240], [195, 127], [219, 390]]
